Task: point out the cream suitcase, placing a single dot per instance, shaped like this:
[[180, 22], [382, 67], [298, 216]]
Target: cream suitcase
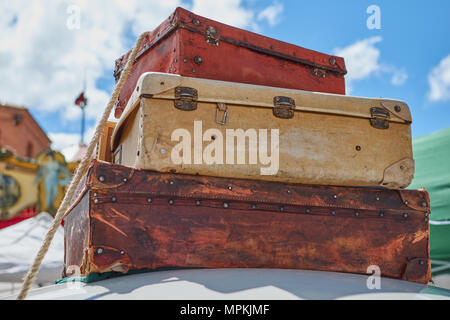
[[214, 128]]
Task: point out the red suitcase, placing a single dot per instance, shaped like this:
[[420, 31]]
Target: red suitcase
[[125, 219], [193, 46]]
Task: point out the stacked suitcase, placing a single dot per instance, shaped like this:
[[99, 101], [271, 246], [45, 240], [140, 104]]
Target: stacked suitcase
[[223, 157]]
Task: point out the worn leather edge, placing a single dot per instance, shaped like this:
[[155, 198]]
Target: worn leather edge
[[418, 270], [411, 202]]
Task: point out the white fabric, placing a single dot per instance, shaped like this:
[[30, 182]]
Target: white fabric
[[19, 245]]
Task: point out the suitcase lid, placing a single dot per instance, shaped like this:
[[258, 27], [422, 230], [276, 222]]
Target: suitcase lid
[[215, 32], [186, 92]]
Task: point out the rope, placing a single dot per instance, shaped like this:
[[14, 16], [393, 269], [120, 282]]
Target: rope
[[79, 174]]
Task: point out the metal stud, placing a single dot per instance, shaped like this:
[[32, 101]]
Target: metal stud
[[95, 194], [398, 108], [122, 252], [358, 148], [332, 61], [426, 214], [281, 208], [170, 201], [406, 202], [171, 182], [289, 191], [230, 188], [421, 262], [99, 250], [149, 200], [308, 210], [101, 178], [424, 204], [253, 206], [381, 214], [162, 151], [334, 196], [225, 205], [198, 60], [124, 179], [377, 198], [357, 213], [113, 199], [95, 200], [198, 202], [196, 22], [405, 215], [333, 213]]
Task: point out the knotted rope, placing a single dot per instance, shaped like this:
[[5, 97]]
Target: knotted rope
[[79, 174]]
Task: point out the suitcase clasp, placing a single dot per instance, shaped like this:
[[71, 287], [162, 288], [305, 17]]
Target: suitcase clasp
[[222, 107], [185, 98], [379, 118], [283, 107], [212, 35]]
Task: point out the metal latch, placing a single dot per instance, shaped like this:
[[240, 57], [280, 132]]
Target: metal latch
[[379, 118], [212, 35], [283, 107], [222, 107], [186, 98]]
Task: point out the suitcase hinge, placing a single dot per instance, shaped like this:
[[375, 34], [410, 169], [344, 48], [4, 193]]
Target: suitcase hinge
[[284, 107], [379, 118], [212, 35], [186, 98], [222, 107]]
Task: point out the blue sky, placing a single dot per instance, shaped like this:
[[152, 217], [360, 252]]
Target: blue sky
[[395, 61]]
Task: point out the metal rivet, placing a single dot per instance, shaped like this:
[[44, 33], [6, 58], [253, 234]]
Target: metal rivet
[[99, 250], [149, 200], [406, 202], [101, 178], [281, 208], [377, 198], [113, 199], [225, 205], [170, 201], [358, 148], [171, 182], [289, 191], [402, 167], [137, 88], [95, 194], [357, 213], [381, 214], [426, 214], [333, 213], [198, 60], [332, 61], [175, 60], [124, 179], [398, 108], [193, 70], [426, 220], [161, 83], [335, 197], [196, 22], [405, 215], [253, 206], [230, 188], [424, 204], [198, 202], [174, 69], [184, 60], [95, 200], [122, 252], [308, 210], [421, 262], [162, 151], [213, 137]]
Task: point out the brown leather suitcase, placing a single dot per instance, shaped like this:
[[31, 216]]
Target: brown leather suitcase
[[194, 46], [229, 129], [124, 219]]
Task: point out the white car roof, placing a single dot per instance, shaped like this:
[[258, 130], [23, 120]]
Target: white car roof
[[237, 284]]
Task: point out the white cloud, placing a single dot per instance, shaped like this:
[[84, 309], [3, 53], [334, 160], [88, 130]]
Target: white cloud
[[271, 14], [439, 81], [226, 11], [68, 143], [399, 77], [361, 58]]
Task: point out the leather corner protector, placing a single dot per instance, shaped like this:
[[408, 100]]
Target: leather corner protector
[[398, 175], [398, 109], [418, 270]]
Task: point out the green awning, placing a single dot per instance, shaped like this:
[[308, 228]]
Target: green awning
[[432, 162]]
